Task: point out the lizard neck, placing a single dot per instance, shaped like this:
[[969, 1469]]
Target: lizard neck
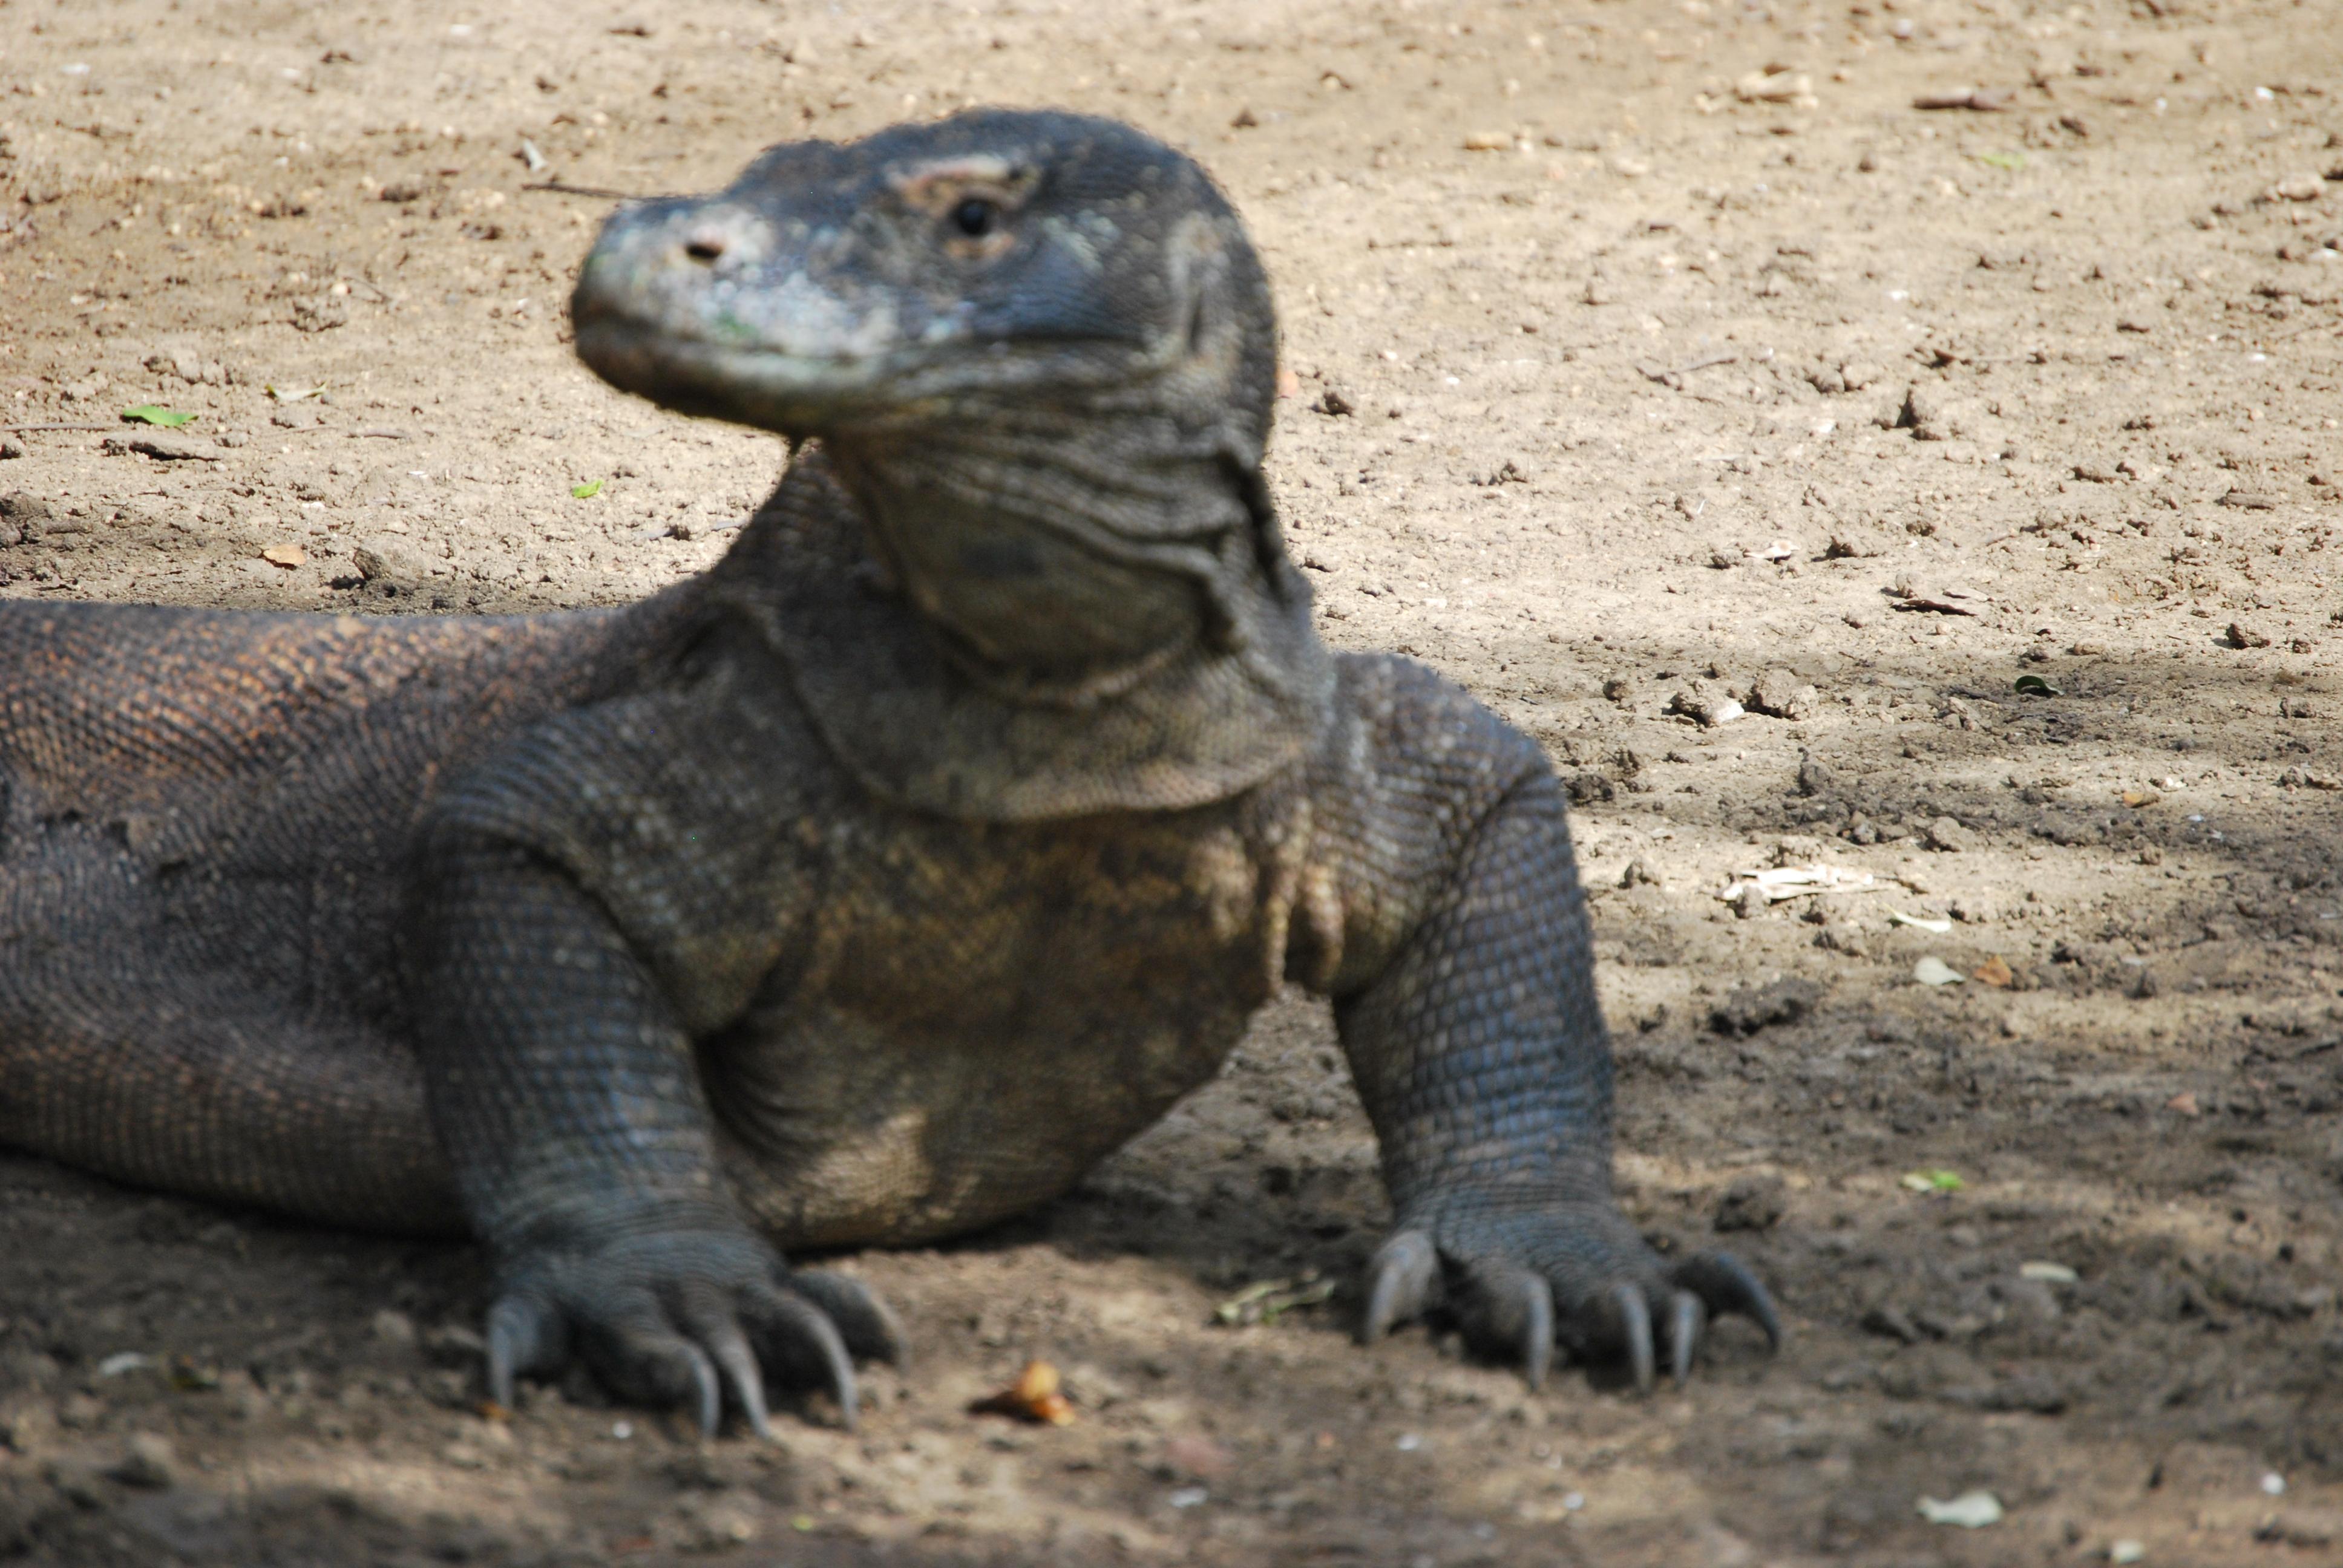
[[927, 695], [1058, 557]]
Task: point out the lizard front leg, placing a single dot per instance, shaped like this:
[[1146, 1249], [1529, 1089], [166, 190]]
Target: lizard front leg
[[565, 1092], [1480, 1051]]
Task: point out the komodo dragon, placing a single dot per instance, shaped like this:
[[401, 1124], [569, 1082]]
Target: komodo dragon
[[868, 888]]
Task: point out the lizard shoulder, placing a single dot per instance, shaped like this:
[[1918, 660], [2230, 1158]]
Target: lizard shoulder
[[692, 810]]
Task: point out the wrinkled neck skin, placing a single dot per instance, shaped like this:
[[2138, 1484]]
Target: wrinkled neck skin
[[1064, 557]]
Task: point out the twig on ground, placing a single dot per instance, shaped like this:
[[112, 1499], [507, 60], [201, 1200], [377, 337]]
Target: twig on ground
[[1672, 380], [563, 188]]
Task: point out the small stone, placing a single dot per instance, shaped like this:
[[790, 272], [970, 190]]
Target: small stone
[[10, 450], [394, 1327], [1891, 1322], [718, 1520], [2240, 635], [148, 1462], [1948, 836], [1638, 874], [387, 561], [1704, 705], [1813, 775], [454, 1345], [1195, 1457], [1588, 788], [1746, 1010], [284, 555], [1752, 1204], [1778, 694]]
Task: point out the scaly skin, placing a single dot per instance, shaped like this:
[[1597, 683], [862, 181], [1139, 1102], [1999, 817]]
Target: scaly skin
[[867, 889]]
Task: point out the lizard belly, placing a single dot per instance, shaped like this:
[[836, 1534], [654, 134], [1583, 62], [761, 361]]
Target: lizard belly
[[987, 1016]]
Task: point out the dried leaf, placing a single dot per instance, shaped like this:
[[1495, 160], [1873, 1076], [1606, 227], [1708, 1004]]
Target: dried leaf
[[1994, 972], [1933, 971], [285, 556], [2048, 1273], [1897, 916]]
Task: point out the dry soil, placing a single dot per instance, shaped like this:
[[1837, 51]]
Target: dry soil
[[1649, 361]]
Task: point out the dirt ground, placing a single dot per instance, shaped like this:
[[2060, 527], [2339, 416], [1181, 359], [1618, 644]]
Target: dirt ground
[[1649, 361]]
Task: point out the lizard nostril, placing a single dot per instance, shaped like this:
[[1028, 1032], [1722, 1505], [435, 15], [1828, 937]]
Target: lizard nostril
[[704, 247]]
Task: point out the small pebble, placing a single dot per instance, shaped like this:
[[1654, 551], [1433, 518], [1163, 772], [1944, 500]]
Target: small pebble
[[149, 1462]]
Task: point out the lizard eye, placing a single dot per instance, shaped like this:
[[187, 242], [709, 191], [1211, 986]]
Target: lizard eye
[[976, 217]]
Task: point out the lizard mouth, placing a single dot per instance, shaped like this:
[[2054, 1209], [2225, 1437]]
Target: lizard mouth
[[715, 308], [791, 393]]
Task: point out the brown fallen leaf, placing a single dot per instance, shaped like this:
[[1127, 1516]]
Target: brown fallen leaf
[[2185, 1103], [1034, 1397], [285, 556], [1994, 972], [2136, 798]]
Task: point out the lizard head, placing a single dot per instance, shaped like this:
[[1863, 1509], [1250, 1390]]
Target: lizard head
[[936, 273], [1036, 346]]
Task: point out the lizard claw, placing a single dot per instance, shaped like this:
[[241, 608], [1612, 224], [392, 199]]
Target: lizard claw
[[708, 1395], [1635, 1324], [866, 1324], [690, 1319], [1525, 1281], [1689, 1317], [526, 1335], [1403, 1270], [1537, 1330], [1725, 1284], [808, 1342]]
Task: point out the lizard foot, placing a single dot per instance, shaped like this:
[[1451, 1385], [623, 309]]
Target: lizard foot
[[681, 1319], [1524, 1281]]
